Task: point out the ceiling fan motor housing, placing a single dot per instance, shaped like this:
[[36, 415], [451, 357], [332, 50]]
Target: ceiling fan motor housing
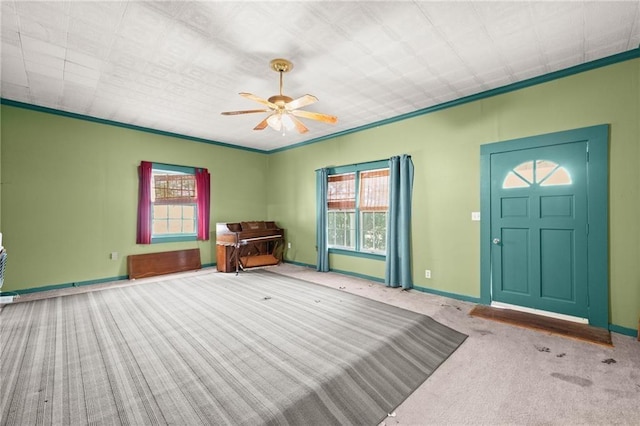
[[280, 100]]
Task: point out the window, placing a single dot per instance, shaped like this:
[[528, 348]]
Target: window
[[173, 196], [539, 172], [173, 203], [357, 206]]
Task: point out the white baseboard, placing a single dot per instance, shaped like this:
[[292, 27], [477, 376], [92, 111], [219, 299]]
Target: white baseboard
[[6, 299]]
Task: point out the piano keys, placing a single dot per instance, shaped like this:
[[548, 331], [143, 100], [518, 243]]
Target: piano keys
[[244, 245]]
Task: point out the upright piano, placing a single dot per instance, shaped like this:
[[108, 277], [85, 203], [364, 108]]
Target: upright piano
[[244, 245]]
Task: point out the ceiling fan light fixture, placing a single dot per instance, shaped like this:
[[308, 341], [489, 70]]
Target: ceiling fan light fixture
[[287, 121], [281, 122], [275, 122], [284, 109]]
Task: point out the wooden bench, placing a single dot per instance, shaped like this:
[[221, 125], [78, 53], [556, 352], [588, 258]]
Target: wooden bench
[[168, 262]]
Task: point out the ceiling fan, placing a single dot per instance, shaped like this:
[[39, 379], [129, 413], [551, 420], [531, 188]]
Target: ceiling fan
[[284, 110]]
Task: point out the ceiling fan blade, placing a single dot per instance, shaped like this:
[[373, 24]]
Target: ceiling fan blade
[[299, 125], [259, 100], [249, 111], [263, 124], [332, 119], [301, 102]]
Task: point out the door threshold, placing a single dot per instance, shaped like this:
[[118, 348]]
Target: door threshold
[[541, 323], [549, 314]]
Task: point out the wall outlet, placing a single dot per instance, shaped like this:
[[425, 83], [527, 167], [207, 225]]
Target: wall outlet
[[475, 216], [114, 255], [289, 245], [427, 273]]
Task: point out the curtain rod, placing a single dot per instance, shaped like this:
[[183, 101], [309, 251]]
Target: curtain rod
[[177, 165], [361, 164]]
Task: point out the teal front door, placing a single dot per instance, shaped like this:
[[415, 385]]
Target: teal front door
[[539, 228]]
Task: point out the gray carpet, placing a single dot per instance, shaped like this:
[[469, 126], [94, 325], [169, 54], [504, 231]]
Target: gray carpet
[[258, 348]]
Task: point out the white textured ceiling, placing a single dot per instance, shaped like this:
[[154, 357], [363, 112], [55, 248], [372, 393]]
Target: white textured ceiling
[[175, 66]]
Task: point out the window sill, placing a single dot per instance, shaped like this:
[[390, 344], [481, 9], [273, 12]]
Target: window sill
[[354, 253], [173, 239]]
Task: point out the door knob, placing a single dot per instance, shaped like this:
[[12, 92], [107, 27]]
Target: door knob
[[496, 241]]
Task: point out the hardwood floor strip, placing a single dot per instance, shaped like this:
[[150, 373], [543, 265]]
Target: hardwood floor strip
[[556, 326]]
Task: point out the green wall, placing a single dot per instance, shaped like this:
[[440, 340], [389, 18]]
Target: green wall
[[1, 172], [69, 187], [70, 191], [445, 147]]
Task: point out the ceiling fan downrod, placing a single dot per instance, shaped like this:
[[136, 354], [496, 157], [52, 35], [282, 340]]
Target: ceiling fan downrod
[[280, 66]]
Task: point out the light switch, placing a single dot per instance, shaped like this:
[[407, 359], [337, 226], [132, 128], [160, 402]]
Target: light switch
[[475, 216]]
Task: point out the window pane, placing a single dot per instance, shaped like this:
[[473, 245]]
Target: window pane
[[175, 211], [367, 231], [160, 212], [341, 233], [350, 230], [160, 227], [367, 220], [189, 212], [543, 169], [514, 181], [526, 171], [374, 229], [559, 177], [331, 228], [173, 188], [175, 226], [189, 227], [341, 191], [340, 228], [374, 190], [381, 231]]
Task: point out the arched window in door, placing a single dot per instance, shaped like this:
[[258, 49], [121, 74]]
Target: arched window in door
[[538, 172]]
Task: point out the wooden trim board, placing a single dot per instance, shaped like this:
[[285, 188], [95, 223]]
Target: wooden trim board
[[168, 262]]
